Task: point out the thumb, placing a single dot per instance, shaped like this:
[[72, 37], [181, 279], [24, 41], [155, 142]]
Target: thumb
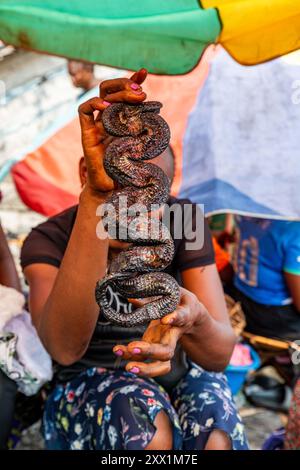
[[141, 302], [139, 76], [137, 302]]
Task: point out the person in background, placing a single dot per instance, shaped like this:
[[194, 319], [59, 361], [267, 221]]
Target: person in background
[[96, 404], [8, 388], [267, 276], [82, 74]]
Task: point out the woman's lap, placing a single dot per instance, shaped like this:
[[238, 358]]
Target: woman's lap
[[102, 409], [204, 402]]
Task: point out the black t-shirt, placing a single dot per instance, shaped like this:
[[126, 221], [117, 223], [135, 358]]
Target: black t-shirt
[[47, 244]]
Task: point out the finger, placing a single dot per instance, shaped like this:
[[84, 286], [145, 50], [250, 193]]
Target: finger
[[139, 76], [110, 87], [122, 352], [126, 96], [155, 351], [183, 319], [87, 109], [137, 302], [141, 302], [151, 369], [182, 312], [178, 318]]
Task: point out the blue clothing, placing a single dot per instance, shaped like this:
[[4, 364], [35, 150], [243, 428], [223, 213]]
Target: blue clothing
[[104, 409], [265, 250]]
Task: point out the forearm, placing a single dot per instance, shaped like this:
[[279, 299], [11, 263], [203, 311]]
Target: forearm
[[8, 272], [210, 343], [70, 313]]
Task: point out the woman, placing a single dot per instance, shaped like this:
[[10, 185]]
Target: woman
[[97, 405]]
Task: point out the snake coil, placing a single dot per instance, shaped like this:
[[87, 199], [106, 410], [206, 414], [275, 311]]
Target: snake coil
[[140, 134]]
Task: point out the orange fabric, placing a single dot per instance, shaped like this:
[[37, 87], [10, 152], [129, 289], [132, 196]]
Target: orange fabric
[[57, 159], [40, 195], [222, 257]]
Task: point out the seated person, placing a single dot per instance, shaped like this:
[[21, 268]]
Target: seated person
[[267, 276], [82, 75], [96, 404], [8, 388]]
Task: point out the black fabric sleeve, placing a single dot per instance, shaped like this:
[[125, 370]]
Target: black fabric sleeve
[[39, 248], [47, 242]]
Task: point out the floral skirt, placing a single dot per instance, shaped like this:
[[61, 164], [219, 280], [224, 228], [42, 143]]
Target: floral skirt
[[112, 409]]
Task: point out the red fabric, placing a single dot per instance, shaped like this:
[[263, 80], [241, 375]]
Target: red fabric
[[38, 194]]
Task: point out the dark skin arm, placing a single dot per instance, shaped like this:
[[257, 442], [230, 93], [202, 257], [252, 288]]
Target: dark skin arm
[[293, 283], [8, 273]]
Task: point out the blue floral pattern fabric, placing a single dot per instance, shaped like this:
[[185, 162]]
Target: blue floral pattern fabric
[[113, 409]]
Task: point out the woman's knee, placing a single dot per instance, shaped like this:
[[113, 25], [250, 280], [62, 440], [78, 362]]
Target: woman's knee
[[218, 440], [163, 437], [121, 410]]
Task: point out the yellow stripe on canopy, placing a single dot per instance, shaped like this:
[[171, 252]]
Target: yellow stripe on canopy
[[258, 30]]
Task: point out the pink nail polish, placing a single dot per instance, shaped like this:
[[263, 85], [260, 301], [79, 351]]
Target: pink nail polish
[[134, 86], [135, 370], [136, 351], [119, 352], [106, 103]]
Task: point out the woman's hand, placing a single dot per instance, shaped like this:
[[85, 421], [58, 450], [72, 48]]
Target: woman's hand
[[161, 337], [94, 138]]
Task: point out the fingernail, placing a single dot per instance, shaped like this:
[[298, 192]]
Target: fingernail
[[138, 92], [106, 103], [135, 370], [119, 352], [136, 351], [134, 86], [171, 320]]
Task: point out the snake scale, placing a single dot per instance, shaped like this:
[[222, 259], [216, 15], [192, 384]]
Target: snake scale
[[140, 134]]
